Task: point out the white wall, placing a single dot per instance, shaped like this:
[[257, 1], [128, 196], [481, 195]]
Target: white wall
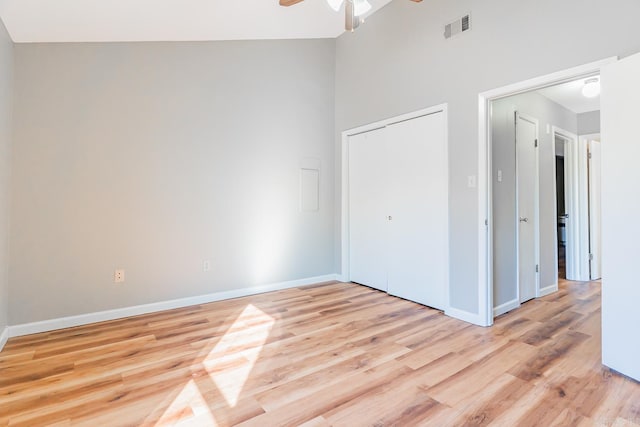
[[6, 89], [152, 157], [399, 62], [548, 114], [139, 156], [589, 123]]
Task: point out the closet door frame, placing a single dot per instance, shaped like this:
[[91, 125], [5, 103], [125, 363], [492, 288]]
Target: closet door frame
[[345, 229]]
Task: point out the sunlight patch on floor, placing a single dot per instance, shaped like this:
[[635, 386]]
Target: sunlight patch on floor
[[251, 329], [189, 404]]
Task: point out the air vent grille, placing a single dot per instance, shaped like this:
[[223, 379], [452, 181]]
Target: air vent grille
[[466, 23], [458, 26]]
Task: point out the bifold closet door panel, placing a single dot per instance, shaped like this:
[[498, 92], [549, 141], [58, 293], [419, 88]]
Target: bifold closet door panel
[[418, 205], [367, 209]]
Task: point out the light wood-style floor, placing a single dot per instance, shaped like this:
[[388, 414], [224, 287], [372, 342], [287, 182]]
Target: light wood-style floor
[[336, 354]]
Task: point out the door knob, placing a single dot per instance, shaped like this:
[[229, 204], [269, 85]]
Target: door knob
[[523, 219], [389, 218]]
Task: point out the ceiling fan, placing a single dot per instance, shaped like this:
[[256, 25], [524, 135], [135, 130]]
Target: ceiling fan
[[354, 9]]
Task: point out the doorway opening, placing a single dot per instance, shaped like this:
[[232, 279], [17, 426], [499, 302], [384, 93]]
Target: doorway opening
[[561, 208], [567, 191], [560, 232]]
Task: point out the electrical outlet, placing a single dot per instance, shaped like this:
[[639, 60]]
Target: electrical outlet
[[206, 265], [118, 276], [471, 181]]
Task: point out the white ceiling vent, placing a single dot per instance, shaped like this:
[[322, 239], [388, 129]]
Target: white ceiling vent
[[458, 26]]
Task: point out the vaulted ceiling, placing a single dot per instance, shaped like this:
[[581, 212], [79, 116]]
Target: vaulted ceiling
[[169, 20]]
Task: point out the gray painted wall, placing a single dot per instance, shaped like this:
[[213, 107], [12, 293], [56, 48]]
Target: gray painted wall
[[399, 62], [549, 114], [589, 123], [152, 157], [6, 88]]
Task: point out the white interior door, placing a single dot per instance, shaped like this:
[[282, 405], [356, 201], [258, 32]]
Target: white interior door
[[527, 200], [571, 180], [595, 207], [620, 206], [418, 203], [368, 209], [577, 203]]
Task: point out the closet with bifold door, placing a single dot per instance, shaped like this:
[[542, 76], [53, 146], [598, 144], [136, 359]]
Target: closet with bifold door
[[398, 208]]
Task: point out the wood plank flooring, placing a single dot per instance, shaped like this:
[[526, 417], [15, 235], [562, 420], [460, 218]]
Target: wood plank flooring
[[333, 354]]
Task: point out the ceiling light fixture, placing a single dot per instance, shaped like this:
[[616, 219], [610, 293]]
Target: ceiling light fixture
[[335, 4], [354, 10], [591, 87], [361, 7]]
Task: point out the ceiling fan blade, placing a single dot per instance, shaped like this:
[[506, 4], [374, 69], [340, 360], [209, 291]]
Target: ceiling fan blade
[[289, 2]]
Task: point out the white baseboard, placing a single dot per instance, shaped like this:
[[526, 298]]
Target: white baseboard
[[118, 313], [549, 290], [4, 337], [507, 306], [465, 316]]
